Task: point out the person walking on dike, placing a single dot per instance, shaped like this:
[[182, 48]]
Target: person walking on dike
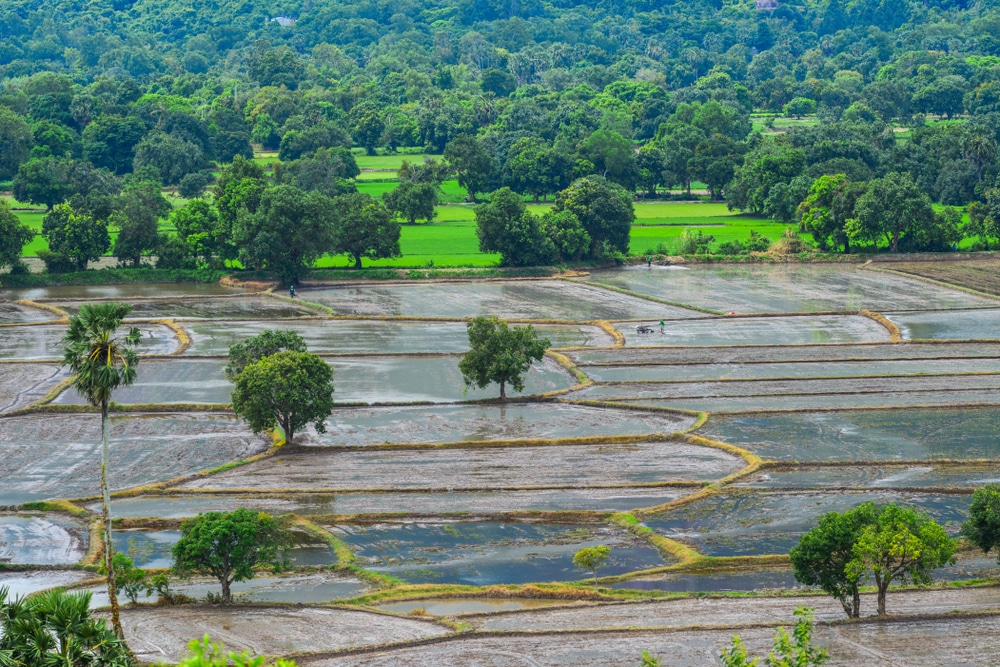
[[663, 327], [291, 291]]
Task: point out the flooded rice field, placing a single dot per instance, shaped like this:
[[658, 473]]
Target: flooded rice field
[[488, 553], [162, 634], [36, 539], [876, 435], [572, 466], [484, 494], [365, 380], [58, 455], [787, 288], [375, 337], [525, 299], [799, 330], [756, 523], [23, 384], [241, 307], [516, 421], [45, 341], [17, 313]]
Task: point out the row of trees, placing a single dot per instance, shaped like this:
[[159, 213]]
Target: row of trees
[[890, 543]]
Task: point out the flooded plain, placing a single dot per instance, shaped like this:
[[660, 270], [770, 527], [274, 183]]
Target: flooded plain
[[499, 497]]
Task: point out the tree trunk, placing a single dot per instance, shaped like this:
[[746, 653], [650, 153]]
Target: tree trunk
[[109, 547], [883, 587], [288, 429], [856, 604], [227, 595], [357, 262], [596, 590], [503, 391], [895, 241]]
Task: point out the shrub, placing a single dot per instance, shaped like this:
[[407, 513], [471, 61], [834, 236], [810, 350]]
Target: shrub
[[695, 242], [731, 248]]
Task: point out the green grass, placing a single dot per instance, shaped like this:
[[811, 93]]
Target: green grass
[[390, 162]]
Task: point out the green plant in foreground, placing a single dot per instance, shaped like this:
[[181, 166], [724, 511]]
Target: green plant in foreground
[[591, 558], [54, 629], [794, 650], [206, 653]]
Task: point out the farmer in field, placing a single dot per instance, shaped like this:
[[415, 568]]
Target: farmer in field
[[663, 328], [291, 291]]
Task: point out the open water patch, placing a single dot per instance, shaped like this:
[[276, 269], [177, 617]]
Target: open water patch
[[488, 553], [762, 579], [151, 549], [869, 435], [799, 330], [788, 288], [37, 539], [950, 325], [375, 337], [756, 523], [517, 299], [823, 401], [45, 341], [45, 456], [22, 583]]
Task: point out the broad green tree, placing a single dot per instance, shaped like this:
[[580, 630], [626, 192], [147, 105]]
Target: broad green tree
[[613, 156], [604, 209], [172, 157], [799, 107], [821, 556], [101, 361], [197, 225], [139, 210], [891, 207], [591, 558], [37, 182], [76, 236], [412, 200], [264, 344], [505, 225], [14, 235], [901, 544], [287, 389], [363, 228], [289, 230], [472, 164], [230, 546], [827, 208], [983, 525], [500, 354]]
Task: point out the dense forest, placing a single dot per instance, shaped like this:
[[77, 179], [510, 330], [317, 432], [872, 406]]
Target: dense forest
[[830, 114]]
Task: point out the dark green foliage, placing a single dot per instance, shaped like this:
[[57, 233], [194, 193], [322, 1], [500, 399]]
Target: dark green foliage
[[171, 156], [193, 185], [412, 200], [229, 546], [363, 228], [325, 171], [13, 237], [474, 167], [500, 354], [137, 213], [604, 209], [76, 237], [983, 526], [288, 389], [504, 225], [15, 142], [262, 345]]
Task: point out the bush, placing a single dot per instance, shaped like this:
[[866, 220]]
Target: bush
[[192, 185], [19, 268], [56, 262], [695, 242], [757, 242], [731, 248], [174, 253], [789, 244]]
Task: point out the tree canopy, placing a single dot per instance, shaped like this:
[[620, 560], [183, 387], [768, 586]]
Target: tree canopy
[[500, 354]]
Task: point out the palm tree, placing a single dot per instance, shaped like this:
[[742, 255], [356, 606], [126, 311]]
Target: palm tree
[[54, 629], [101, 362]]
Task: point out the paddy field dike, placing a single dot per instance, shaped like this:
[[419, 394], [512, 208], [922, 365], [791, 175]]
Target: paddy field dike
[[436, 526]]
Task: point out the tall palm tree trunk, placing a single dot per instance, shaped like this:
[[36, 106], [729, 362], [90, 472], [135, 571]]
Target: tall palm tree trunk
[[109, 547]]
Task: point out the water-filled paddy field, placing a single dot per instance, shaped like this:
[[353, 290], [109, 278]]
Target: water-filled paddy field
[[463, 505]]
